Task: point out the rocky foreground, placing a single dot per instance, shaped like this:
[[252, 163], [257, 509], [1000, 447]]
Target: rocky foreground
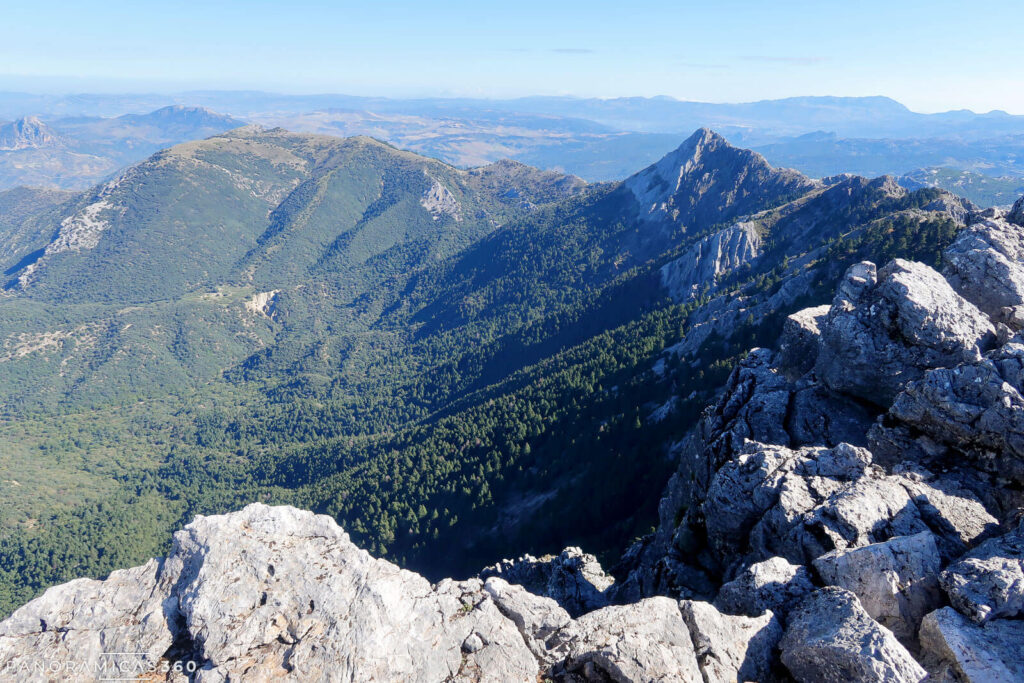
[[850, 509]]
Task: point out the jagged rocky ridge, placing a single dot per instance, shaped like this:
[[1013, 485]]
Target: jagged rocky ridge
[[848, 509], [872, 460]]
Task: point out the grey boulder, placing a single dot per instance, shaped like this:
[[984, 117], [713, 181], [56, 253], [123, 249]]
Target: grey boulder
[[643, 641], [887, 328], [985, 266], [774, 585], [798, 345], [954, 648], [988, 582], [896, 581], [976, 407], [94, 629], [732, 648], [831, 638]]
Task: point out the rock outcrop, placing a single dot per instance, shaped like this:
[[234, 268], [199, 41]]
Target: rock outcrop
[[988, 582], [955, 649], [865, 475], [985, 266], [831, 638], [272, 593], [896, 581], [1016, 214], [574, 579], [710, 258], [887, 329]]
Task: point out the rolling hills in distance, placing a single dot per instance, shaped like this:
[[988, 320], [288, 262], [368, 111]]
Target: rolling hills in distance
[[438, 357]]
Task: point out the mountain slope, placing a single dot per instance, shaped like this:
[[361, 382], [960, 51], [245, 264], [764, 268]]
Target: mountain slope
[[435, 357], [19, 233], [854, 450], [202, 213], [981, 189]]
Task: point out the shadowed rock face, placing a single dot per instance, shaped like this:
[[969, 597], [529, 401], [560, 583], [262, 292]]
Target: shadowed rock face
[[1016, 214]]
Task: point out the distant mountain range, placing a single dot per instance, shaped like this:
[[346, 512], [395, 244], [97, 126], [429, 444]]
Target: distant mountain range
[[871, 117], [79, 140], [75, 152]]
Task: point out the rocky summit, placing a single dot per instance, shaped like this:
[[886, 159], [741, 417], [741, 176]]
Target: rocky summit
[[849, 508]]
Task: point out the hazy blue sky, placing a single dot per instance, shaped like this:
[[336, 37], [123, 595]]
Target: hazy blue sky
[[934, 55]]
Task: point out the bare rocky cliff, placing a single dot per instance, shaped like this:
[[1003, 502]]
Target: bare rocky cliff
[[850, 508]]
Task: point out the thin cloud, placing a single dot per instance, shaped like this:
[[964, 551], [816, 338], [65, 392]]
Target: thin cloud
[[573, 50], [773, 59]]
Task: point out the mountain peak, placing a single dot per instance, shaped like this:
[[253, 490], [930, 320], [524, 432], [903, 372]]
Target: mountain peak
[[706, 179], [178, 114], [704, 137], [28, 132]]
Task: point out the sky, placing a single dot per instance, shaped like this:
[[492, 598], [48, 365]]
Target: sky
[[932, 56]]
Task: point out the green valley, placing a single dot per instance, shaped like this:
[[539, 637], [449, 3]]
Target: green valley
[[431, 355]]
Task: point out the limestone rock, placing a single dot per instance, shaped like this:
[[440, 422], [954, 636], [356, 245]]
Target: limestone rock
[[988, 582], [798, 345], [977, 408], [538, 618], [887, 329], [78, 624], [954, 648], [773, 585], [986, 265], [801, 504], [440, 202], [275, 592], [1016, 214], [896, 581], [574, 579], [831, 638], [732, 648], [644, 641], [710, 257]]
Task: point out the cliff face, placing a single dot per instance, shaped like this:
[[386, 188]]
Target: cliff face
[[849, 509], [711, 257]]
